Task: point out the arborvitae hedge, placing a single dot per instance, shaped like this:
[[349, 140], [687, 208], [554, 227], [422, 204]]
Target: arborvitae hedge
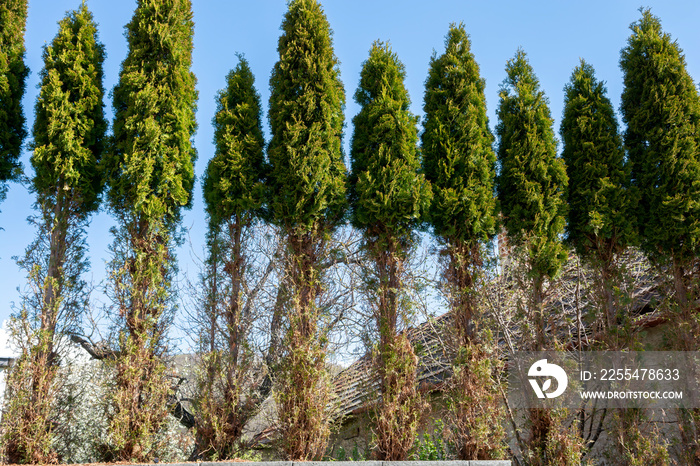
[[151, 161], [457, 145], [388, 195], [70, 126], [224, 400]]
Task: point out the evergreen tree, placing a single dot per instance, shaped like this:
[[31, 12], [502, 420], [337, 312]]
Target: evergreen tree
[[459, 162], [530, 187], [150, 171], [661, 109], [307, 201], [233, 194], [531, 181], [13, 74], [599, 225], [389, 199], [233, 183], [69, 132]]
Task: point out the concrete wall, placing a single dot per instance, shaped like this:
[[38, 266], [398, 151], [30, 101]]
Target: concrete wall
[[353, 463]]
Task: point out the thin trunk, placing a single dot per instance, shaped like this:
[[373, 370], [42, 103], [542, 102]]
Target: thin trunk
[[234, 268], [52, 283], [281, 302], [538, 312], [464, 261], [44, 357], [681, 287], [389, 282]]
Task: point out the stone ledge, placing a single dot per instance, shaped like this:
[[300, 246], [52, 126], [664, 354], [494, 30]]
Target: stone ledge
[[352, 463]]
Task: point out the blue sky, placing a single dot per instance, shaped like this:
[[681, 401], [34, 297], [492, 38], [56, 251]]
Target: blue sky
[[554, 34]]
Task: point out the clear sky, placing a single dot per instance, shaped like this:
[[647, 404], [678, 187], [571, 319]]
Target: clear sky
[[554, 34]]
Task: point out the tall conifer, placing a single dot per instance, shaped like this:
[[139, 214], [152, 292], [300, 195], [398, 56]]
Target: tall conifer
[[459, 162], [531, 181], [661, 108], [530, 187], [69, 132], [389, 199], [150, 179], [233, 194], [307, 201], [599, 225], [13, 75]]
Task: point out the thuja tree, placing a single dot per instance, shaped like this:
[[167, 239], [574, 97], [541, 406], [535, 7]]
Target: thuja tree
[[459, 162], [599, 225], [307, 202], [389, 198], [13, 74], [661, 108], [530, 187], [234, 194], [150, 179], [69, 132], [531, 182]]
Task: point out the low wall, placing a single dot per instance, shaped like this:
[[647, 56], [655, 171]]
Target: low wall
[[349, 463]]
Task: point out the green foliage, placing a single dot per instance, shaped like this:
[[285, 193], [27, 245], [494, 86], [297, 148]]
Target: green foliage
[[532, 179], [151, 163], [661, 109], [637, 442], [388, 195], [69, 130], [13, 75], [233, 182], [598, 194], [458, 156], [432, 446], [307, 179], [355, 455]]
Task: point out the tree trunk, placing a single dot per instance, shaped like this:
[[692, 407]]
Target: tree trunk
[[304, 395]]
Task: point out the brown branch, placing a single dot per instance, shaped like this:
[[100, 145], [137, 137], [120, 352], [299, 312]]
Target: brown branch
[[97, 351]]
